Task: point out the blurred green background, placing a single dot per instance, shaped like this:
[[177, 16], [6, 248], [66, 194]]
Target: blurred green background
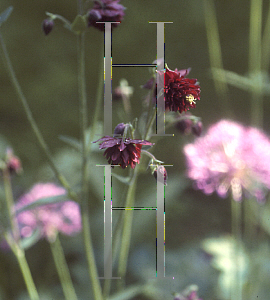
[[46, 67]]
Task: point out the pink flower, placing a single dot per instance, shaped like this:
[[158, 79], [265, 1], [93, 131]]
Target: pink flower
[[49, 219], [190, 293], [230, 157]]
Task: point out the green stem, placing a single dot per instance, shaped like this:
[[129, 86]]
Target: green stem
[[14, 240], [32, 122], [10, 205], [215, 54], [236, 284], [127, 229], [90, 256], [266, 44], [128, 218], [31, 288], [62, 269], [99, 98], [255, 53]]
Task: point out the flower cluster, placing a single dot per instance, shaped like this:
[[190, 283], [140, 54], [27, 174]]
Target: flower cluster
[[230, 157], [105, 10], [48, 219]]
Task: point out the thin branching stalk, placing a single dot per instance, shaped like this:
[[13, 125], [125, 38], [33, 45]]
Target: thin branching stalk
[[62, 269], [215, 53], [89, 250], [127, 229], [255, 55], [32, 121], [236, 217], [14, 240], [266, 44], [128, 217]]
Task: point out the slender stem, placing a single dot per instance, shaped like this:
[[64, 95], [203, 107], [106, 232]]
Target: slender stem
[[237, 284], [266, 44], [90, 256], [148, 154], [62, 269], [127, 229], [32, 122], [99, 98], [10, 205], [31, 288], [150, 124], [128, 218], [215, 54], [255, 53]]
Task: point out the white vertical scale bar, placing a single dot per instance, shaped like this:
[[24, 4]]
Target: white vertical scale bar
[[160, 234], [160, 117], [160, 120], [108, 79], [108, 224]]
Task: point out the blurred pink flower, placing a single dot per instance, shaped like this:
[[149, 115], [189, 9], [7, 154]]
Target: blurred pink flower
[[49, 219], [190, 293], [230, 157]]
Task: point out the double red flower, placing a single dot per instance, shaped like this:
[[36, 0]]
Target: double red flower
[[122, 151]]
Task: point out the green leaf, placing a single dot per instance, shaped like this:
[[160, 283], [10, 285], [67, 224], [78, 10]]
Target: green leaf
[[4, 15], [43, 201], [31, 240], [73, 142], [256, 82]]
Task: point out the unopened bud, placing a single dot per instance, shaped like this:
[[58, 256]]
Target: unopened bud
[[119, 129], [47, 25], [13, 163]]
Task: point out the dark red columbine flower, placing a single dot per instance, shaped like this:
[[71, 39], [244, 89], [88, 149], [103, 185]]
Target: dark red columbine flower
[[122, 151], [180, 93], [105, 10]]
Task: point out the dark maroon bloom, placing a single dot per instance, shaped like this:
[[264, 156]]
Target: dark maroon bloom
[[180, 93], [47, 25], [122, 151], [105, 10]]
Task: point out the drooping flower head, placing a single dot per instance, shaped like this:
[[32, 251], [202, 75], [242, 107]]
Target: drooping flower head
[[121, 150], [230, 157], [105, 10], [48, 219]]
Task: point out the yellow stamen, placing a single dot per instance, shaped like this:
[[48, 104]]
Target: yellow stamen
[[190, 98]]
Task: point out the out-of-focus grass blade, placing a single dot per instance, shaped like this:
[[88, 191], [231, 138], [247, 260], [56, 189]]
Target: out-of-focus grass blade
[[4, 15], [242, 82], [43, 201]]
